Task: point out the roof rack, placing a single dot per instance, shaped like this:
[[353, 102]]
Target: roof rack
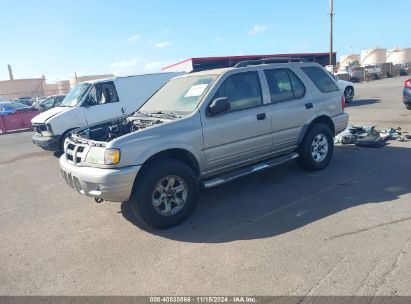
[[243, 64]]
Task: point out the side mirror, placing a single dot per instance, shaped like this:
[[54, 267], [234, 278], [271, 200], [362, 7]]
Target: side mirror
[[218, 106]]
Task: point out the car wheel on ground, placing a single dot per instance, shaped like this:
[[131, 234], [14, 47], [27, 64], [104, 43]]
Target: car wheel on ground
[[316, 148], [165, 194], [349, 94], [408, 107]]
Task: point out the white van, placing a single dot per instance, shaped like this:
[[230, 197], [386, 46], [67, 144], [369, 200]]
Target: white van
[[95, 101]]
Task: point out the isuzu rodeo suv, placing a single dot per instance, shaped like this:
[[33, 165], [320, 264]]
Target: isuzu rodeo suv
[[204, 129]]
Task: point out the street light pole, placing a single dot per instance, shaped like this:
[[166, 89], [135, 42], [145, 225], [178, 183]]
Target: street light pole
[[331, 31]]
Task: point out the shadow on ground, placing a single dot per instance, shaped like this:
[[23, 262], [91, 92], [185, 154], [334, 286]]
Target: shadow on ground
[[286, 198], [363, 102]]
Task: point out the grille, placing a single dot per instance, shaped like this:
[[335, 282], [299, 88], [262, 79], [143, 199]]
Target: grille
[[75, 153]]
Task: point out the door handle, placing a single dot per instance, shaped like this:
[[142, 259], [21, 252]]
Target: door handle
[[261, 116], [309, 105]]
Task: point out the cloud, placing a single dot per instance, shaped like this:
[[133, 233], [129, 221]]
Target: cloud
[[257, 29], [162, 45], [133, 39], [124, 63], [218, 39]]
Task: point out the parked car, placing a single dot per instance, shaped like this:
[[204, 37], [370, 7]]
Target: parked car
[[28, 101], [14, 116], [373, 72], [404, 68], [406, 95], [7, 108], [95, 101], [345, 86], [49, 102], [357, 74], [205, 129]]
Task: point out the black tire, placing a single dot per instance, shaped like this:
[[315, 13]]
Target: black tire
[[408, 107], [62, 139], [306, 159], [349, 94], [141, 200]]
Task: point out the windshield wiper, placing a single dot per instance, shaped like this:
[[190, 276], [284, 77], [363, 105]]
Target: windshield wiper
[[170, 114]]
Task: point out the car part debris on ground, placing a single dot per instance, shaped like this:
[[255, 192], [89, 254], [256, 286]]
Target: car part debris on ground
[[368, 136]]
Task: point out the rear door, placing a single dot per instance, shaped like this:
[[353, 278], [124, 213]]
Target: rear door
[[102, 103], [244, 132], [291, 106]]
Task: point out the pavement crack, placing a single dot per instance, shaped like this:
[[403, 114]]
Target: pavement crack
[[368, 228], [388, 275], [327, 275]]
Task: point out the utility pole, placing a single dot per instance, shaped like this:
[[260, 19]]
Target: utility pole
[[331, 31]]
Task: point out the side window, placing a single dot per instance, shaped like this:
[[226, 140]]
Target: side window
[[284, 85], [298, 87], [243, 91], [102, 93], [320, 78]]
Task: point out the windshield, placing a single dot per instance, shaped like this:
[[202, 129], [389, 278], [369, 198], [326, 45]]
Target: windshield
[[75, 95], [179, 95]]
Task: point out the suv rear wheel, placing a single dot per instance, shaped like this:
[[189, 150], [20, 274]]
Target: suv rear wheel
[[165, 193], [316, 149]]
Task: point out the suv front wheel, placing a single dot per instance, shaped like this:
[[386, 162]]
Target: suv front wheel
[[165, 193], [316, 149]]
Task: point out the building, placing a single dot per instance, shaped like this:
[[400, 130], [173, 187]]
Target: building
[[38, 87], [206, 63]]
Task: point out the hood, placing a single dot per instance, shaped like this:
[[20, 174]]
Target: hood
[[41, 118]]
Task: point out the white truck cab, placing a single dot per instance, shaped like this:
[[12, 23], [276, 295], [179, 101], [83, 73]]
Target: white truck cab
[[92, 102]]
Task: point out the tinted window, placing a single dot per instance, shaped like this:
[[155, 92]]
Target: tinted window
[[284, 85], [320, 78], [242, 90], [103, 93], [298, 87]]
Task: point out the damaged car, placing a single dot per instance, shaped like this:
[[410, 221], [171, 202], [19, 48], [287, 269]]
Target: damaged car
[[204, 129]]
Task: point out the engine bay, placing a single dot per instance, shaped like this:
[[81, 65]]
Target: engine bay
[[108, 131]]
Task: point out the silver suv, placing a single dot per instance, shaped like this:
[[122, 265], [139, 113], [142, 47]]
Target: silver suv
[[204, 129]]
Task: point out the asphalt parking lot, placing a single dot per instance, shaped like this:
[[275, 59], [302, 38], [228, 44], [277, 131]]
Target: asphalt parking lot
[[345, 230]]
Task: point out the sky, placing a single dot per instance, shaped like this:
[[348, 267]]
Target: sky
[[58, 38]]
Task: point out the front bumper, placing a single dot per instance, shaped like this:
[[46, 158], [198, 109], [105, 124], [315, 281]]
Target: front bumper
[[109, 184], [340, 122], [47, 143]]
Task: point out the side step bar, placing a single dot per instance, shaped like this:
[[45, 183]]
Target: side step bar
[[222, 179]]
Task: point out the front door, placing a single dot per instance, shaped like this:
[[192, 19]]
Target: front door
[[102, 103], [243, 133]]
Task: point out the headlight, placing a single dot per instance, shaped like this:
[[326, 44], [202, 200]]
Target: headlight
[[48, 132], [103, 156]]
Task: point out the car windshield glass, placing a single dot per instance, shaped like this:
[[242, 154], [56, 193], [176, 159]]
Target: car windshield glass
[[179, 95], [75, 95]]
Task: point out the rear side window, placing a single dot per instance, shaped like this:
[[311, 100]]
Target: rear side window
[[284, 85], [320, 78]]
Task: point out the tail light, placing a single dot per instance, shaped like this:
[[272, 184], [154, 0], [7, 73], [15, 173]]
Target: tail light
[[342, 103], [407, 84]]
